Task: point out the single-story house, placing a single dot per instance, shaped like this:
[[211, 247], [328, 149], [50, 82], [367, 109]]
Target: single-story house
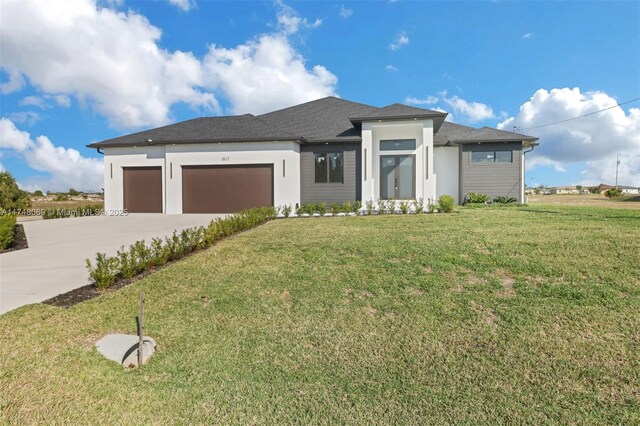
[[327, 150], [629, 189], [565, 190]]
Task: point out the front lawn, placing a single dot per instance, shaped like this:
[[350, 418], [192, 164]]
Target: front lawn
[[496, 315]]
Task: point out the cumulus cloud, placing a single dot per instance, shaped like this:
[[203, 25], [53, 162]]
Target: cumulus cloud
[[526, 36], [28, 117], [344, 12], [391, 68], [111, 62], [401, 40], [264, 74], [185, 5], [64, 167], [472, 111], [429, 100], [290, 22], [594, 140], [108, 60], [42, 102]]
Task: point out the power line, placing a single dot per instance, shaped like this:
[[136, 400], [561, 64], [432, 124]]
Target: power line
[[581, 116]]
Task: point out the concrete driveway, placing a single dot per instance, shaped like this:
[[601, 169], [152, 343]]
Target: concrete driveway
[[54, 263]]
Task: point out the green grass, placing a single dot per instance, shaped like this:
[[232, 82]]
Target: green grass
[[487, 316]]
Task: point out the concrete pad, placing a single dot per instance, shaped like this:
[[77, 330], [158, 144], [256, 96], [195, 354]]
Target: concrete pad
[[123, 348], [54, 263]]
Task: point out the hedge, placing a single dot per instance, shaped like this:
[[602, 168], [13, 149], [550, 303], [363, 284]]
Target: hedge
[[140, 258], [7, 230]]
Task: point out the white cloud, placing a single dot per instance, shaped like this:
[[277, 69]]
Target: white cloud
[[109, 60], [473, 111], [185, 5], [344, 12], [42, 101], [429, 100], [290, 22], [65, 167], [401, 40], [265, 74], [35, 101], [526, 36], [594, 140], [391, 68], [15, 82], [29, 117]]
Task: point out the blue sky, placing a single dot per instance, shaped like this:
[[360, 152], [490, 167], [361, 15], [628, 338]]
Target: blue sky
[[76, 72]]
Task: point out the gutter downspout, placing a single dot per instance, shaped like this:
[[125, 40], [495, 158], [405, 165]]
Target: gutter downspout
[[524, 183]]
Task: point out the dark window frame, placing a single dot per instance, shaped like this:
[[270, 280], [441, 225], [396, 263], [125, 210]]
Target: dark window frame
[[327, 171], [494, 155], [383, 141]]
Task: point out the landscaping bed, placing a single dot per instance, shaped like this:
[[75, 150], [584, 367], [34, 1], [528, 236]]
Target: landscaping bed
[[12, 235]]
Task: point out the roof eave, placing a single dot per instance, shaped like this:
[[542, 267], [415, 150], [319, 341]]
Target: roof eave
[[360, 120], [467, 141], [107, 144]]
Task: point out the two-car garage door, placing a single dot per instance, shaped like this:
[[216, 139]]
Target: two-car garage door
[[205, 189], [226, 189]]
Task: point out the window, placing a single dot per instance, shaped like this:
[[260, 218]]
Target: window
[[398, 145], [491, 156], [329, 167]]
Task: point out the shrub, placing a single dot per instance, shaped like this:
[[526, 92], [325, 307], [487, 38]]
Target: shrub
[[446, 203], [504, 200], [476, 198], [38, 193], [356, 206], [370, 204], [418, 205], [320, 208], [12, 197], [73, 192], [388, 207], [335, 208], [305, 209], [285, 210], [431, 206], [140, 258], [105, 272], [613, 193], [347, 207], [61, 197], [404, 206], [7, 230]]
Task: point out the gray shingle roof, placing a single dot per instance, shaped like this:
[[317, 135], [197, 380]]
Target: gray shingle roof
[[328, 119], [322, 120], [205, 129]]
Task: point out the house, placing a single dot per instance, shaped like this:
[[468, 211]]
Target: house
[[629, 189], [327, 150], [565, 190]]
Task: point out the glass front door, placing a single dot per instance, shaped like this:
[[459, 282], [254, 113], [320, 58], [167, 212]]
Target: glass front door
[[397, 177]]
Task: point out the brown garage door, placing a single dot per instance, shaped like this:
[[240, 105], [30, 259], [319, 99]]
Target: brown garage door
[[143, 189], [226, 189]]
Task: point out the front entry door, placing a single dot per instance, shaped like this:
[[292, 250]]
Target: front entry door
[[397, 177]]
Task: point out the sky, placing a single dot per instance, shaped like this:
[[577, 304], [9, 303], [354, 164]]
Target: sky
[[77, 71]]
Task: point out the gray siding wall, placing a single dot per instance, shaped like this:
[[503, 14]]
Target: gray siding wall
[[350, 190], [493, 179]]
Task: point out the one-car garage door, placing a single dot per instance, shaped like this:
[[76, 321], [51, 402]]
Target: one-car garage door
[[142, 189], [226, 189]]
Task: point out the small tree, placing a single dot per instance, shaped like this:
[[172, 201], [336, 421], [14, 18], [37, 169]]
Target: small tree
[[579, 188], [73, 192], [11, 196], [38, 193], [613, 193]]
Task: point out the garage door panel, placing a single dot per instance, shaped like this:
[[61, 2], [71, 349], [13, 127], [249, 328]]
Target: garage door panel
[[142, 189], [226, 189]]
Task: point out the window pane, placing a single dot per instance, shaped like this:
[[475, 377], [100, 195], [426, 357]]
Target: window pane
[[482, 156], [336, 169], [504, 156], [398, 144], [321, 168], [387, 178]]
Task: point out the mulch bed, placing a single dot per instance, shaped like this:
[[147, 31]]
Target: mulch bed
[[88, 292], [19, 242]]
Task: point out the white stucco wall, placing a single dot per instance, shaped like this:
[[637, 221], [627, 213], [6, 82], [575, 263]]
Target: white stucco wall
[[446, 167], [374, 132], [173, 157]]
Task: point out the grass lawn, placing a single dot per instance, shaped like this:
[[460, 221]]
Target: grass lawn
[[490, 315], [587, 200]]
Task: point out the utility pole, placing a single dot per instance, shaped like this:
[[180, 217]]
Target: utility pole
[[617, 165]]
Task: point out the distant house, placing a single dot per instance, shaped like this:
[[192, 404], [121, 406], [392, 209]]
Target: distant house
[[565, 190], [629, 189]]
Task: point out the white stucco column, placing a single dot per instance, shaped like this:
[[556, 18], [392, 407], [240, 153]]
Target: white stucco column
[[367, 163], [429, 190]]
